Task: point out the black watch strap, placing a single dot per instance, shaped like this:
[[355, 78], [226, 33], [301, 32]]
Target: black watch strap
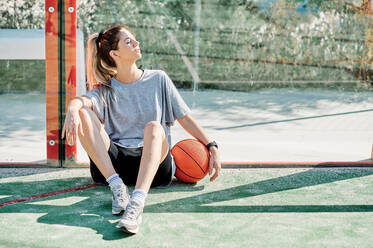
[[213, 143]]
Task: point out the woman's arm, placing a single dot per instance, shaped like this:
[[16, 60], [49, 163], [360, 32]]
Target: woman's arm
[[72, 122], [194, 129]]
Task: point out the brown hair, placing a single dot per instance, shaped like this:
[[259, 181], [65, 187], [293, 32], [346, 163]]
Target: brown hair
[[100, 66]]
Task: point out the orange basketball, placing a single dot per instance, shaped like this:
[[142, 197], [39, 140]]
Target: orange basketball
[[191, 159]]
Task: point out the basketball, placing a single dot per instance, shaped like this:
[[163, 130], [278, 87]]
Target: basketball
[[191, 159]]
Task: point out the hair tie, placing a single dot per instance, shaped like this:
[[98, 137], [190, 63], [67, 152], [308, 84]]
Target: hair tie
[[99, 38]]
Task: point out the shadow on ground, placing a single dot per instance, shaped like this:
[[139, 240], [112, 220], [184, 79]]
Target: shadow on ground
[[294, 181], [94, 211]]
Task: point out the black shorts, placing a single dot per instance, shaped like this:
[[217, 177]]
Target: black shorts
[[128, 167]]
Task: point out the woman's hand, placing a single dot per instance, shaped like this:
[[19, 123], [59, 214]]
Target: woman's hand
[[214, 163], [72, 126], [194, 129]]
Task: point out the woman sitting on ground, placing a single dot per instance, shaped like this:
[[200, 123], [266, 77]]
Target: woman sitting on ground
[[124, 124]]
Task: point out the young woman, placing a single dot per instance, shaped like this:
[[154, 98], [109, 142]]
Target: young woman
[[124, 124]]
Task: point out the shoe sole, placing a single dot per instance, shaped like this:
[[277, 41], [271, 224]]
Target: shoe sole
[[117, 211], [129, 231]]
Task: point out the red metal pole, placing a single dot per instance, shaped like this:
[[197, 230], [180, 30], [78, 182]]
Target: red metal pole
[[60, 70], [51, 81], [70, 65]]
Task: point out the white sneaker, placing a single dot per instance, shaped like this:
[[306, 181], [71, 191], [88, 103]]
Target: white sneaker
[[132, 218], [120, 198]]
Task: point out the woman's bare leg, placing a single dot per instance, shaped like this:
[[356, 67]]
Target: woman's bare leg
[[154, 152], [95, 141]]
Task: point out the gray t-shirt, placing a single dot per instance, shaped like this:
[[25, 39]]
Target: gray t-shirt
[[127, 108]]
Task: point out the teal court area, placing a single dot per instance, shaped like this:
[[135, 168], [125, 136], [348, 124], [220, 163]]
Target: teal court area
[[278, 207]]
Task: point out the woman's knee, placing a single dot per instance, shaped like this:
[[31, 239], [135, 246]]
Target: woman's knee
[[84, 113], [88, 116], [92, 125], [154, 129]]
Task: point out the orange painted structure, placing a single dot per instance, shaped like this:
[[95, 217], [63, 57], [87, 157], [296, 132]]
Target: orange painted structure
[[60, 64]]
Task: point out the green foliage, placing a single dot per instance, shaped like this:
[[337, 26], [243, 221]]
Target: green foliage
[[178, 11], [239, 41], [22, 14]]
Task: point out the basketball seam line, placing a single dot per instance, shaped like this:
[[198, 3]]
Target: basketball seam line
[[192, 158], [199, 178]]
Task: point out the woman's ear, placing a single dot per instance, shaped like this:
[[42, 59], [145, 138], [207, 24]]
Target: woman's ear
[[114, 54]]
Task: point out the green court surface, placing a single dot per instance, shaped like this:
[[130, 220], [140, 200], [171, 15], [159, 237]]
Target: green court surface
[[272, 207]]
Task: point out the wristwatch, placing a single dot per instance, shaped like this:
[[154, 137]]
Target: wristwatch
[[213, 143]]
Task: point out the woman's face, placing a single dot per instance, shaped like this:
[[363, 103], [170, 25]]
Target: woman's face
[[128, 47]]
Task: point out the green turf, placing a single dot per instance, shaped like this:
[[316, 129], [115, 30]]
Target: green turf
[[243, 208]]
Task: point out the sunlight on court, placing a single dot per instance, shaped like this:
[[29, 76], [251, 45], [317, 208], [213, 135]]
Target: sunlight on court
[[60, 202]]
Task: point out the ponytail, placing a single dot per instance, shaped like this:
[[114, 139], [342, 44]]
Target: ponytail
[[98, 73], [91, 52], [100, 66]]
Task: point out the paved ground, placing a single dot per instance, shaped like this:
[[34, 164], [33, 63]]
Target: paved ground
[[281, 125], [242, 208]]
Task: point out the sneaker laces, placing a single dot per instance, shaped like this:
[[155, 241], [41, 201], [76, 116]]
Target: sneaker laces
[[133, 210], [120, 194]]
